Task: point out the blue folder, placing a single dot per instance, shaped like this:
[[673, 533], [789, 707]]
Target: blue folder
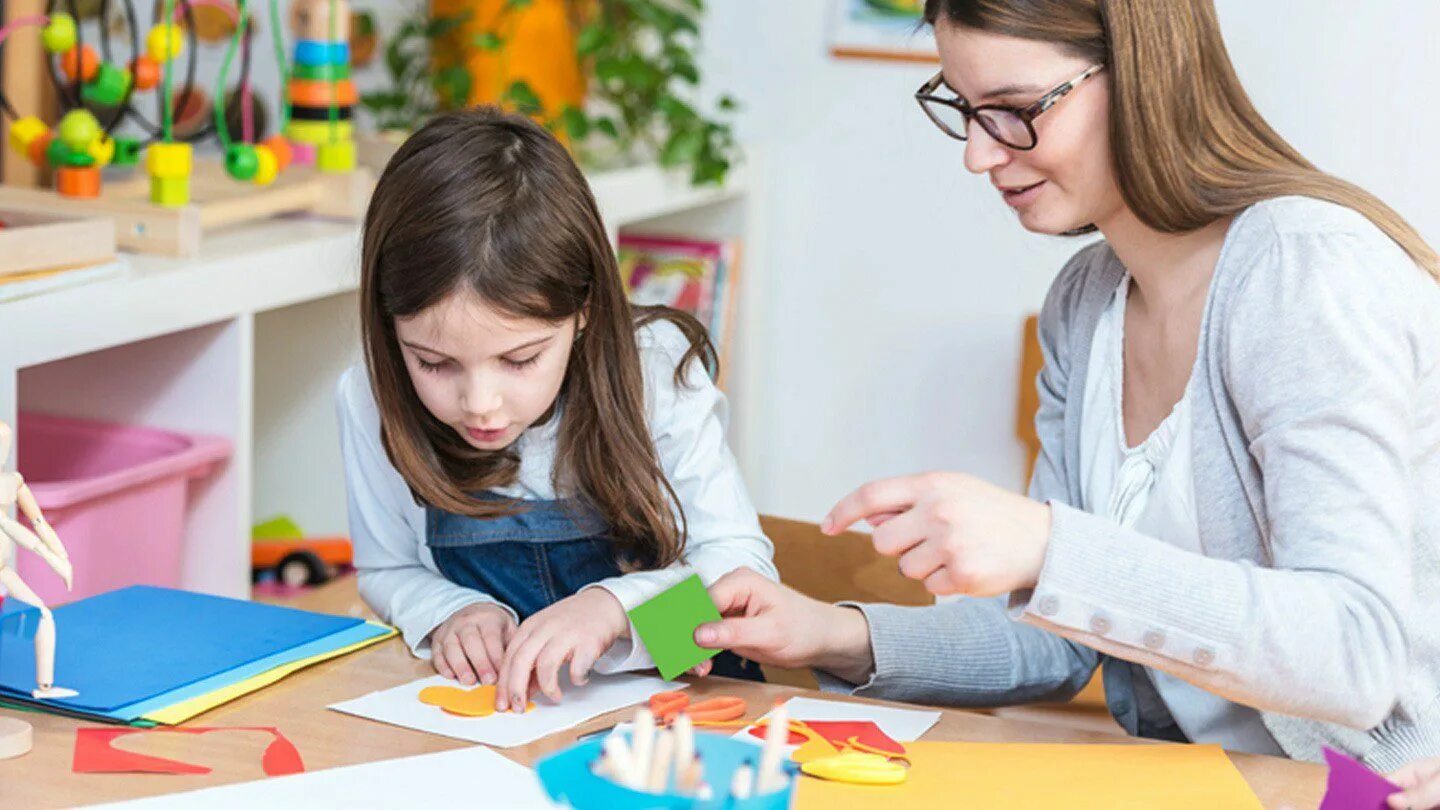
[[126, 646]]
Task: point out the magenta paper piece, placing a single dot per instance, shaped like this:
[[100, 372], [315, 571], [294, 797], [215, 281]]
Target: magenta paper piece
[[1352, 786]]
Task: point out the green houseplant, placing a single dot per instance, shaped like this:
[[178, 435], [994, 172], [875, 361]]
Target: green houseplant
[[643, 101]]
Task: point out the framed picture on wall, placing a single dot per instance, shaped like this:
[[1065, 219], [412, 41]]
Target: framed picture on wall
[[880, 29]]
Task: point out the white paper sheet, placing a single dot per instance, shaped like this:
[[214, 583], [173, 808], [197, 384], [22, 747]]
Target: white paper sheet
[[903, 725], [462, 776], [401, 706]]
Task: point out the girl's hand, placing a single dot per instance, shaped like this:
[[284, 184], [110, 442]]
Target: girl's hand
[[767, 622], [578, 629], [468, 646], [1421, 783], [954, 532]]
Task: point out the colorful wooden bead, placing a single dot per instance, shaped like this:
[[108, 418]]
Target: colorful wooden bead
[[336, 157], [146, 72], [170, 192], [85, 62], [165, 42], [281, 149], [318, 132], [102, 149], [58, 35], [78, 181], [320, 73], [39, 148], [314, 52], [267, 166], [78, 128], [59, 154], [127, 152], [312, 93], [169, 160], [301, 153], [109, 86], [24, 131], [240, 161]]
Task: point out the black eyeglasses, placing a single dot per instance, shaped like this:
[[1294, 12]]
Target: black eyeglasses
[[1011, 126]]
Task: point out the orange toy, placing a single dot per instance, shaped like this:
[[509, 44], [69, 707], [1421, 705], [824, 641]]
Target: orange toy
[[280, 145], [146, 72], [78, 181], [319, 93], [666, 706], [89, 63]]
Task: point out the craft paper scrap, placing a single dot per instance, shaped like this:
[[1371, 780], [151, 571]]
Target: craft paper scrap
[[667, 622], [1023, 776], [401, 706], [95, 754], [900, 725], [1352, 786], [428, 780], [840, 732], [477, 702]]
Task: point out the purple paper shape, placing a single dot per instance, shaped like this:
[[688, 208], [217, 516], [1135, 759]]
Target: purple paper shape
[[1353, 786]]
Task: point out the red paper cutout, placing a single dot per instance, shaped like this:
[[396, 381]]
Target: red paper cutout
[[95, 754], [839, 732]]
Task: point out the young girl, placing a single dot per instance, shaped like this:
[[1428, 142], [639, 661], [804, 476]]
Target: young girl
[[528, 457]]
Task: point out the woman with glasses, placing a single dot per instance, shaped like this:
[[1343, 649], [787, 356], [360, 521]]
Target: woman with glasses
[[1232, 511]]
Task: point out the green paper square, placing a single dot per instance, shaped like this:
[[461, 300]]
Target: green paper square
[[667, 625]]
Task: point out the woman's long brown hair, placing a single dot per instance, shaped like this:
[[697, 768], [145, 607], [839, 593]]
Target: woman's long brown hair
[[491, 204], [1188, 146]]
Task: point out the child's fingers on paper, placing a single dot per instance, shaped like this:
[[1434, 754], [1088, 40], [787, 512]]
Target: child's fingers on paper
[[547, 668], [437, 659], [701, 669], [519, 664], [473, 643], [455, 656], [582, 661], [874, 498], [493, 639]]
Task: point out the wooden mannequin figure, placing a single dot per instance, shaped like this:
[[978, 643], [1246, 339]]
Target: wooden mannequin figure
[[43, 542]]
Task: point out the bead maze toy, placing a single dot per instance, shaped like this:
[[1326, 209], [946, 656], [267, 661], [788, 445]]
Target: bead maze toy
[[172, 196]]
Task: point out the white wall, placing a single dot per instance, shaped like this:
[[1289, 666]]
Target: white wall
[[892, 284]]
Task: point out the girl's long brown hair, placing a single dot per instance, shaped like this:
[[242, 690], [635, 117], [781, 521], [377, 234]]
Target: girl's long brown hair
[[1188, 146], [492, 204]]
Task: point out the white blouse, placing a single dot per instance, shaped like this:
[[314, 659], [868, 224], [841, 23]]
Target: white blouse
[[1151, 488]]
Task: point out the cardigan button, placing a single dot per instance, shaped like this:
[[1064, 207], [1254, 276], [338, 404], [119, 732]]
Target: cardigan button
[[1204, 656], [1049, 605], [1155, 639], [1099, 624]]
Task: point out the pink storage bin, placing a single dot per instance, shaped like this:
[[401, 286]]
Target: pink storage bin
[[116, 495]]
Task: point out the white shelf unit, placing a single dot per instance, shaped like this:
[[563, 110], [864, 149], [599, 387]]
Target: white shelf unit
[[246, 342]]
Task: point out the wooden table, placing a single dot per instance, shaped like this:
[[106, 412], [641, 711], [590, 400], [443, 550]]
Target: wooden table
[[327, 739]]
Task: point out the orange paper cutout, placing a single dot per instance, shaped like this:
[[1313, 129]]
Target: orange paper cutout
[[477, 702], [666, 706]]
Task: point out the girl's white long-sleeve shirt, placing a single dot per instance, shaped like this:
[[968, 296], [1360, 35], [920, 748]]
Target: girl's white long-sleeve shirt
[[397, 574]]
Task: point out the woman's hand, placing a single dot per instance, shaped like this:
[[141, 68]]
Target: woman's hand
[[954, 532], [468, 646], [767, 622], [578, 629], [1421, 783]]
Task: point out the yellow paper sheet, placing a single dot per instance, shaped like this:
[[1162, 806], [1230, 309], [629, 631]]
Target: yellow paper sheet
[[1021, 776], [180, 712]]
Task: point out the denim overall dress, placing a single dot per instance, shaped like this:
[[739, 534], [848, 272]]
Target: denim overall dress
[[531, 559]]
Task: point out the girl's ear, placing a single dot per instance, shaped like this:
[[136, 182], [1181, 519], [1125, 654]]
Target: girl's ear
[[581, 319]]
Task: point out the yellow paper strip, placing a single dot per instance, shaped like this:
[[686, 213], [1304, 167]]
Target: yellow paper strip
[[1022, 776], [184, 710]]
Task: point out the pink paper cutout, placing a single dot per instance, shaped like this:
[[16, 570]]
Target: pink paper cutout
[[1352, 786]]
